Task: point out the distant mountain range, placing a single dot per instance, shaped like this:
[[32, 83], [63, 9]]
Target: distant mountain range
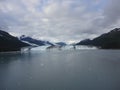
[[10, 43], [61, 43], [35, 41], [110, 40], [40, 42]]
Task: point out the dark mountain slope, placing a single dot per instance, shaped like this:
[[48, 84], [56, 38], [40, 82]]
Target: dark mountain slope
[[10, 43], [110, 40]]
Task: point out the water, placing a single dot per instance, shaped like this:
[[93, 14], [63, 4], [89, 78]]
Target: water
[[61, 70]]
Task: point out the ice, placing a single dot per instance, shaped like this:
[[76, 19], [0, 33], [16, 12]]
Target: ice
[[68, 47], [40, 48]]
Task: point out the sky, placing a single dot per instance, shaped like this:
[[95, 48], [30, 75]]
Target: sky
[[59, 20]]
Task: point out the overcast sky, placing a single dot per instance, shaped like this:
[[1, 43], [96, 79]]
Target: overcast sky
[[59, 20]]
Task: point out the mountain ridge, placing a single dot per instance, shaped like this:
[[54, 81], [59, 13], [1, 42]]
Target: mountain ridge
[[110, 40], [35, 41]]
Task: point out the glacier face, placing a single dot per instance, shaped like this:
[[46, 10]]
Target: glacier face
[[67, 47]]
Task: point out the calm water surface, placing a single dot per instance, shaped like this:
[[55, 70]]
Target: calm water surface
[[61, 70]]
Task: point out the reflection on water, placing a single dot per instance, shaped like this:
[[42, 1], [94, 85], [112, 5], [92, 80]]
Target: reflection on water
[[61, 70]]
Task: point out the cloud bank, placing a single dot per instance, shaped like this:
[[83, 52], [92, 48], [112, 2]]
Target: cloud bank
[[59, 20]]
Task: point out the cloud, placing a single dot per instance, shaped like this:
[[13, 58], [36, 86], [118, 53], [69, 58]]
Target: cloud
[[59, 20], [112, 12]]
